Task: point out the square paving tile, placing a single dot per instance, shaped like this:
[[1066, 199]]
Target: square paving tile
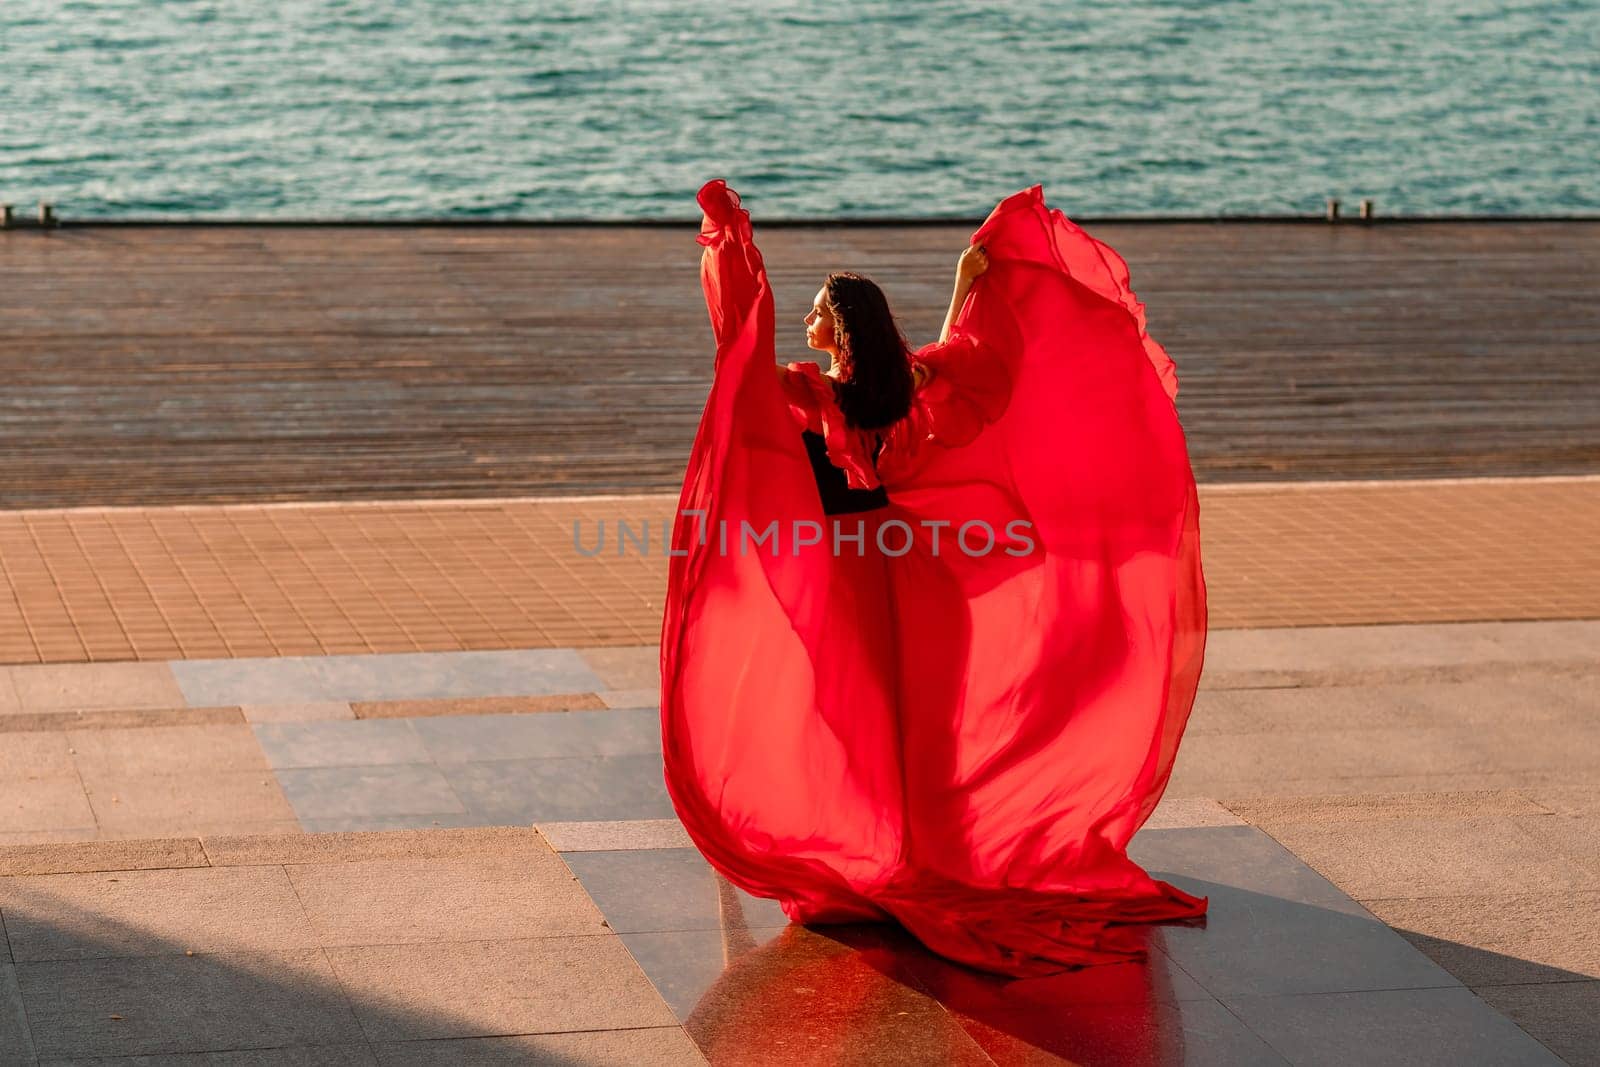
[[470, 898], [1240, 856], [631, 698], [684, 964], [16, 1044], [130, 753], [1435, 857], [353, 743], [1193, 1033], [1500, 940], [615, 836], [468, 738], [625, 666], [659, 1046], [1565, 1015], [366, 823], [322, 711], [173, 1004], [1256, 945], [1390, 1028], [685, 893], [346, 792], [85, 686], [33, 804], [393, 676], [570, 789], [839, 994], [144, 913], [154, 805], [492, 988], [35, 754]]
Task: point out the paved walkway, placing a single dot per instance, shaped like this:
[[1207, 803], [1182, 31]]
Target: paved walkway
[[1423, 775], [299, 824], [294, 580]]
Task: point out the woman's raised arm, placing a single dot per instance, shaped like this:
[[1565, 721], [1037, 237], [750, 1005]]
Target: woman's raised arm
[[974, 261]]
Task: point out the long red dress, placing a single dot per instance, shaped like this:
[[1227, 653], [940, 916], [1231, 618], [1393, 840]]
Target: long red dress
[[961, 733]]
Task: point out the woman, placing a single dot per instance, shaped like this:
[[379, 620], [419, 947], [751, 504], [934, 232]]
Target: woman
[[934, 622]]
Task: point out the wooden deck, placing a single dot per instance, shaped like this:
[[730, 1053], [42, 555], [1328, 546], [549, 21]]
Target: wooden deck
[[215, 363]]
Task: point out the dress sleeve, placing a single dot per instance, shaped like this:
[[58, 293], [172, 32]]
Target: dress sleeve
[[731, 273], [966, 387]]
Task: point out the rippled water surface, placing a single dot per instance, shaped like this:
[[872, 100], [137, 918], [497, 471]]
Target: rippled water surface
[[573, 109]]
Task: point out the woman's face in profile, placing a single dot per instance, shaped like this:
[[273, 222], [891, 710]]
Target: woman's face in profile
[[819, 325]]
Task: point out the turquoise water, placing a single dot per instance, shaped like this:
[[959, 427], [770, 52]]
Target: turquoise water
[[567, 109]]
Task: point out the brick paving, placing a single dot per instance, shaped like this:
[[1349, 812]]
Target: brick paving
[[203, 582]]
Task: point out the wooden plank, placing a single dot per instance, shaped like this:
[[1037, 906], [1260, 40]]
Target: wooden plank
[[194, 363]]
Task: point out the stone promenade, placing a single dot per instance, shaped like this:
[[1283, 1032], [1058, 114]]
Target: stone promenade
[[380, 784]]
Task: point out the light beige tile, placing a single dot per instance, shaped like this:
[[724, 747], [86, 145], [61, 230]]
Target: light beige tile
[[145, 913], [612, 836], [152, 805], [352, 846], [165, 750], [32, 804], [1501, 939], [35, 754], [1434, 857], [1267, 812], [664, 1046], [88, 686], [316, 712], [485, 988], [466, 898], [1175, 813], [631, 698], [76, 856], [44, 837], [626, 667]]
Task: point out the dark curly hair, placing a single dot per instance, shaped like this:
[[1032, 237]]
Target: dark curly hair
[[875, 386]]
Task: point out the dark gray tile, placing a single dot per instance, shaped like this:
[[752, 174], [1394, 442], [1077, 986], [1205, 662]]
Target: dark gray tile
[[1156, 978], [684, 964], [343, 792], [169, 1004], [683, 893], [403, 676], [570, 789], [1390, 1028], [1239, 856], [469, 738], [1255, 945], [342, 743], [16, 1046]]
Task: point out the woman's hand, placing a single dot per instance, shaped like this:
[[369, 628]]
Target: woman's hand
[[974, 261]]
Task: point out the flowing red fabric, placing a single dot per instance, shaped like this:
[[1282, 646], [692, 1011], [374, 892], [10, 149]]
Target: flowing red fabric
[[905, 726]]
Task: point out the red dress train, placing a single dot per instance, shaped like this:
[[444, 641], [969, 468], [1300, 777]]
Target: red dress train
[[956, 709]]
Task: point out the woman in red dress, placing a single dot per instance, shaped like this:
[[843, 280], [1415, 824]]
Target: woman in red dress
[[935, 620]]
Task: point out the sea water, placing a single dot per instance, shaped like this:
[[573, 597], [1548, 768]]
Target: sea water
[[829, 108]]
